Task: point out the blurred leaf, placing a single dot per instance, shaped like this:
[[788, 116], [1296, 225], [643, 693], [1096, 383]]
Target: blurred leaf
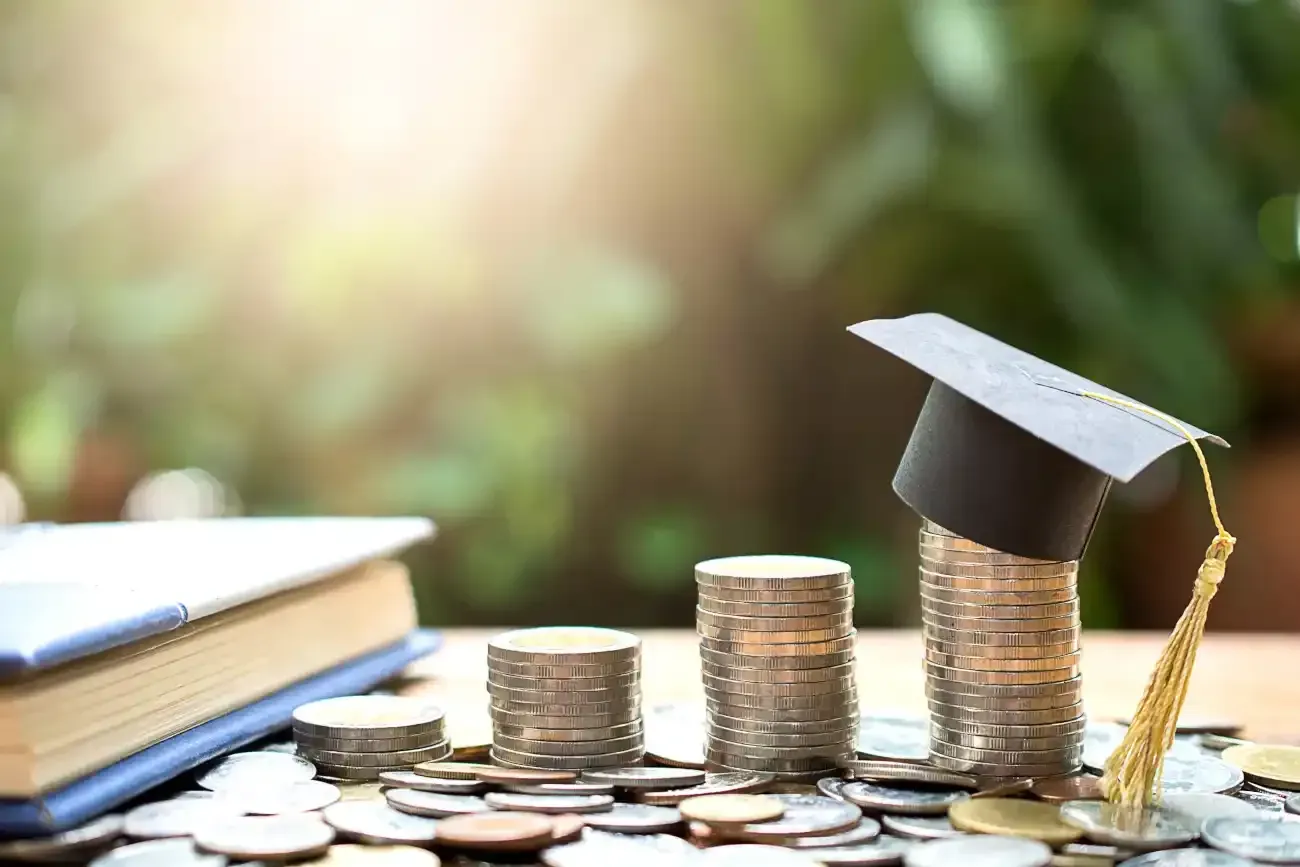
[[959, 43], [656, 550], [45, 431]]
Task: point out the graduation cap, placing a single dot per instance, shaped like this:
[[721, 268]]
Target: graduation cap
[[1009, 450], [1018, 454]]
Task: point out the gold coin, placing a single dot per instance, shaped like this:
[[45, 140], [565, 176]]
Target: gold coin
[[731, 809], [1272, 765], [1013, 817], [361, 792], [351, 855]]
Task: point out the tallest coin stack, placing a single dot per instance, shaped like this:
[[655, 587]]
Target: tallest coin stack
[[1001, 659], [776, 651]]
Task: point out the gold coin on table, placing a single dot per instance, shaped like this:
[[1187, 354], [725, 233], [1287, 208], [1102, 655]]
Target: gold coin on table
[[731, 809], [1269, 764], [352, 855], [1013, 817]]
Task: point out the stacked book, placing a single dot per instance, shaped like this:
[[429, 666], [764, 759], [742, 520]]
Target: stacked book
[[130, 653]]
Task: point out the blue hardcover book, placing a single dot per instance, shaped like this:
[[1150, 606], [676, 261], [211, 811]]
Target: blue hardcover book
[[101, 791], [69, 591]]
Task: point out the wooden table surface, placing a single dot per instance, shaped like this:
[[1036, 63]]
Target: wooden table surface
[[1245, 678]]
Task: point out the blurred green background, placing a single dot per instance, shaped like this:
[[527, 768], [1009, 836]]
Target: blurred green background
[[572, 277]]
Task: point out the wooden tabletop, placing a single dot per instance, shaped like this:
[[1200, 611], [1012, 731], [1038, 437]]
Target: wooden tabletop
[[1245, 678]]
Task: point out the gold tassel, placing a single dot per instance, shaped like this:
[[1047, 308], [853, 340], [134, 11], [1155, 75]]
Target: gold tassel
[[1132, 773]]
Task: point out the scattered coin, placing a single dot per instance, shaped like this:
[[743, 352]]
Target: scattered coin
[[1139, 829], [646, 778], [1265, 802], [1005, 790], [1271, 765], [275, 837], [635, 819], [580, 788], [349, 855], [378, 823], [181, 817], [1188, 858], [255, 769], [804, 815], [1199, 774], [1010, 816], [66, 844], [412, 780], [732, 809], [434, 804], [920, 827], [892, 798], [501, 776], [882, 850], [724, 782], [566, 827], [903, 738], [980, 851], [832, 787], [452, 770], [1266, 840], [367, 717], [865, 831], [548, 803], [1268, 790], [1196, 807], [276, 800], [906, 772], [158, 853], [498, 831], [1058, 790], [755, 855], [1218, 743]]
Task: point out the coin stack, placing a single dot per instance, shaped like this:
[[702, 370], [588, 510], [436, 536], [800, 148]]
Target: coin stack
[[1001, 659], [358, 737], [776, 653], [565, 698]]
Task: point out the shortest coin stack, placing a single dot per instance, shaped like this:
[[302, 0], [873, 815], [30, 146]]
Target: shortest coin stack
[[565, 698], [776, 655], [358, 737]]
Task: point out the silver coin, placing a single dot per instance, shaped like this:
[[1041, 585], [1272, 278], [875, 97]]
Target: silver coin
[[1139, 829], [1057, 662], [646, 778], [1001, 769], [843, 671], [435, 753], [963, 622], [63, 845], [805, 815], [288, 747], [503, 756], [905, 738], [1066, 756], [724, 783], [823, 725], [976, 610], [761, 570], [434, 804], [635, 819], [280, 799], [774, 609], [796, 647], [882, 798], [865, 831], [1263, 802], [906, 772], [619, 711], [379, 824], [980, 850], [1008, 597], [1048, 730], [946, 713], [1101, 739], [602, 848], [750, 855], [599, 733], [1264, 839], [844, 737], [1187, 858], [367, 717], [920, 827], [626, 680], [832, 787], [533, 719], [784, 623], [548, 803], [1271, 790], [579, 788], [345, 774], [570, 748], [159, 853], [996, 585], [274, 837], [176, 818], [810, 689], [975, 683], [882, 850], [752, 640], [367, 745], [714, 743], [941, 732], [254, 769], [564, 645], [412, 780], [506, 696], [784, 767], [1010, 573], [1199, 774], [842, 593], [1196, 807], [774, 662], [781, 714]]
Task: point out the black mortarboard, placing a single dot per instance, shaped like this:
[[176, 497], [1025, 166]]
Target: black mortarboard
[[1007, 450]]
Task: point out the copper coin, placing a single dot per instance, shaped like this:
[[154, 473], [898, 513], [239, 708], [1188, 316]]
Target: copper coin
[[1056, 790], [501, 831], [450, 770], [566, 827], [493, 774]]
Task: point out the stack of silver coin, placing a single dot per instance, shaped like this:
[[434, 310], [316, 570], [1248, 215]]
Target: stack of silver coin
[[358, 737], [776, 653], [1001, 659], [565, 698]]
